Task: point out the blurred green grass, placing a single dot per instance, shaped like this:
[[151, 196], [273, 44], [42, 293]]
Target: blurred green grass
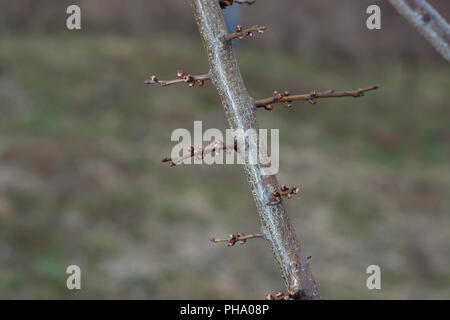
[[81, 182]]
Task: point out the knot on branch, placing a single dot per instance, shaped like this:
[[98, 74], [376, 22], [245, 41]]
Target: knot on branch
[[225, 3], [250, 32], [238, 237], [187, 78], [285, 192], [292, 295]]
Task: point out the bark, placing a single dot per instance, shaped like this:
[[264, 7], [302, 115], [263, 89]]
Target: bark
[[240, 112], [428, 22]]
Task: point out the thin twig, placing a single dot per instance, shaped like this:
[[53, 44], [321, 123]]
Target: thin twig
[[201, 152], [310, 97], [250, 32], [238, 237], [191, 80], [428, 22]]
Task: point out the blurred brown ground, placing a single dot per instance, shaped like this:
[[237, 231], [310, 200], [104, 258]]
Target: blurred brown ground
[[81, 138]]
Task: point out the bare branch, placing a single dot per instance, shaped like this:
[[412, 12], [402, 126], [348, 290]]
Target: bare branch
[[428, 22], [239, 109], [311, 97], [250, 32], [191, 80], [238, 237], [200, 153], [225, 3]]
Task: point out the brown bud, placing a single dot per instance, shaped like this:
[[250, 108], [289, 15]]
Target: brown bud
[[239, 28], [188, 78], [287, 93], [312, 101], [153, 78], [279, 295], [200, 83], [232, 241], [277, 96], [269, 297], [180, 74], [268, 107], [240, 235]]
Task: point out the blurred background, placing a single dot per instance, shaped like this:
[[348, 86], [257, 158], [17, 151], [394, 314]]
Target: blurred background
[[81, 138]]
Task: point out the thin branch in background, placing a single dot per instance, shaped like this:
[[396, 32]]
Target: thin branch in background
[[428, 22], [311, 97], [250, 32], [238, 237], [285, 192], [183, 77], [200, 153], [225, 3]]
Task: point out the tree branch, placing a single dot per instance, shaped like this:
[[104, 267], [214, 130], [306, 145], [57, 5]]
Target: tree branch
[[201, 152], [250, 32], [238, 237], [428, 22], [189, 79], [310, 97], [240, 112]]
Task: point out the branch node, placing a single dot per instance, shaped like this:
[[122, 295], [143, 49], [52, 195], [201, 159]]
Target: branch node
[[238, 237], [285, 192]]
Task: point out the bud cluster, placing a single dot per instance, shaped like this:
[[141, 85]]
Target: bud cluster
[[250, 32], [293, 294], [285, 192]]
